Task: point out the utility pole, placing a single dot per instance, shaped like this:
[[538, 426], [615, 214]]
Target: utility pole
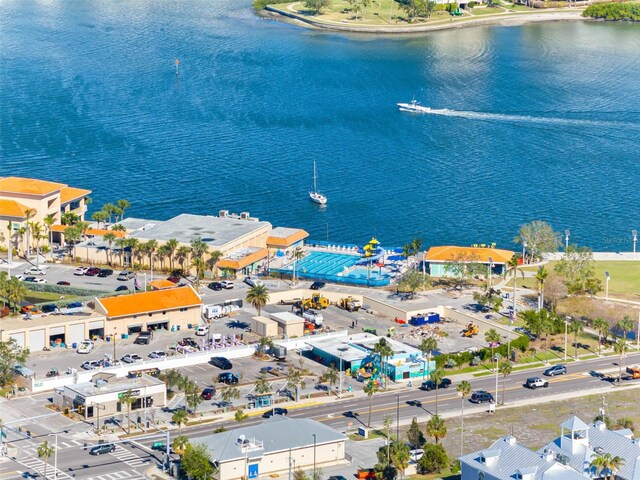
[[397, 417]]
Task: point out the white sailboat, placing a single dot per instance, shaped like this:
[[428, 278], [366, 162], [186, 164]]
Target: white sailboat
[[316, 196]]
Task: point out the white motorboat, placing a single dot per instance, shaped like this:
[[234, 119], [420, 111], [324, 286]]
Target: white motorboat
[[316, 196], [413, 107]]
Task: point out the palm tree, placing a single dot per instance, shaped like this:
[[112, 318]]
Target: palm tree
[[258, 296], [99, 216], [295, 378], [602, 327], [464, 390], [134, 245], [606, 463], [626, 325], [109, 209], [214, 258], [436, 377], [228, 394], [264, 344], [173, 378], [505, 369], [331, 376], [296, 255], [262, 385], [109, 238], [183, 253], [16, 292], [541, 277], [512, 269], [121, 243], [180, 444], [199, 264], [123, 205], [428, 345], [621, 348], [118, 228], [492, 337], [45, 451], [369, 389], [29, 213], [72, 235], [384, 351], [150, 248], [69, 218], [171, 245], [48, 221], [576, 327], [436, 428], [164, 251], [127, 398], [180, 418]]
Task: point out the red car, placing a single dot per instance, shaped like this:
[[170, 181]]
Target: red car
[[174, 279], [92, 272], [208, 393]]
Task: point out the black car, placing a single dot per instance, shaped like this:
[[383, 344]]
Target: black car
[[220, 362], [481, 397], [431, 385], [49, 308], [63, 282], [275, 411], [105, 272], [317, 285], [122, 288], [228, 378], [104, 448], [215, 286]]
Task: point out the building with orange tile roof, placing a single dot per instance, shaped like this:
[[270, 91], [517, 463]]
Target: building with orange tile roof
[[171, 308], [37, 199], [437, 258], [161, 284]]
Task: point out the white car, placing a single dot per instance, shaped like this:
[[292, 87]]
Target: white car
[[80, 271], [131, 358], [35, 271], [226, 284], [202, 330], [157, 354], [252, 281], [85, 347], [39, 280]]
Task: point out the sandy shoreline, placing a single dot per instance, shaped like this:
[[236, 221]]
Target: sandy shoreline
[[506, 19]]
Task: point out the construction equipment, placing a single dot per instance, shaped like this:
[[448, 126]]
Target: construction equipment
[[350, 304], [471, 330], [316, 301]]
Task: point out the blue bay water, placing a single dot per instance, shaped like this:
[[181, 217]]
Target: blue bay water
[[542, 121]]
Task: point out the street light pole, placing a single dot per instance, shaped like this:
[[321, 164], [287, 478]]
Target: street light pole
[[314, 456], [397, 417], [566, 324], [340, 389], [606, 286], [489, 272], [634, 233], [55, 456]]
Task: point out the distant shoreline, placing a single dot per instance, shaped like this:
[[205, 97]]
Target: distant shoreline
[[505, 19]]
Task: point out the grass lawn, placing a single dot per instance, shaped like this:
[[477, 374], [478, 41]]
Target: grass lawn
[[487, 11]]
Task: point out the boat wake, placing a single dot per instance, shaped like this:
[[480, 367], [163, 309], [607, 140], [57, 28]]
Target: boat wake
[[525, 118]]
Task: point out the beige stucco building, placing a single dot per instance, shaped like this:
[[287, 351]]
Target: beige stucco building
[[274, 447], [170, 309]]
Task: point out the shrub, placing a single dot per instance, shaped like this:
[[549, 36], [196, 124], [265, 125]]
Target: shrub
[[471, 4], [434, 459]]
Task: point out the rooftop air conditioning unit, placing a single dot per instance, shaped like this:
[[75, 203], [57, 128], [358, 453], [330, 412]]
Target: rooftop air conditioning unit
[[244, 215], [223, 213]]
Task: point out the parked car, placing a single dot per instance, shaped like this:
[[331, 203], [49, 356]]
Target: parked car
[[104, 448], [202, 330], [91, 364], [227, 285], [80, 271], [85, 347], [431, 385], [92, 272], [555, 370], [31, 309], [317, 285], [157, 354], [143, 338], [252, 281], [228, 378], [535, 382], [49, 308], [215, 286], [74, 305], [131, 358], [63, 282], [125, 275], [220, 362], [481, 397], [174, 279], [36, 271], [105, 272], [122, 288], [39, 280], [275, 411], [208, 393], [29, 279]]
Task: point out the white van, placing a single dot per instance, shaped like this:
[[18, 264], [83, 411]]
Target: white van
[[213, 311], [202, 330]]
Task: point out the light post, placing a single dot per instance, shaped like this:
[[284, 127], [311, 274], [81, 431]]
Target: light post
[[567, 234], [566, 325], [314, 456], [398, 416], [115, 336], [489, 272], [144, 276], [151, 261], [634, 233], [496, 399], [340, 388], [606, 286]]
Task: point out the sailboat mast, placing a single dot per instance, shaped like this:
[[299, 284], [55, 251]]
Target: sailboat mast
[[315, 188]]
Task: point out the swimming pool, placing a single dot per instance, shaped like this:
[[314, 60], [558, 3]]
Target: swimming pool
[[325, 263], [362, 274]]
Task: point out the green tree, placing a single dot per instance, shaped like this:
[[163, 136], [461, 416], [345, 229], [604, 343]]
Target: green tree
[[370, 388], [415, 435], [436, 377], [183, 253], [49, 221], [45, 451], [180, 444], [121, 243], [384, 350], [16, 292], [172, 244], [262, 385], [127, 399], [492, 337], [490, 298], [411, 281], [539, 237], [258, 296], [400, 456], [576, 266], [212, 262], [620, 348], [192, 396], [505, 370], [434, 459], [196, 462], [11, 354], [228, 394], [436, 428], [601, 326], [123, 205], [317, 5], [428, 346], [100, 216], [626, 325], [173, 378], [606, 464], [109, 209], [240, 416], [464, 390], [575, 328], [331, 376], [264, 345], [72, 235], [541, 277], [464, 266], [512, 270], [295, 379]]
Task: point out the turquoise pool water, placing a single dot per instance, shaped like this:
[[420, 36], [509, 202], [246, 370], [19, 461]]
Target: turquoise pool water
[[325, 263], [361, 273]]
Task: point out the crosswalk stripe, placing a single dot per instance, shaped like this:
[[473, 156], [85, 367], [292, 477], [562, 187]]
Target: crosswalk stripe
[[120, 475], [131, 459], [38, 465]]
